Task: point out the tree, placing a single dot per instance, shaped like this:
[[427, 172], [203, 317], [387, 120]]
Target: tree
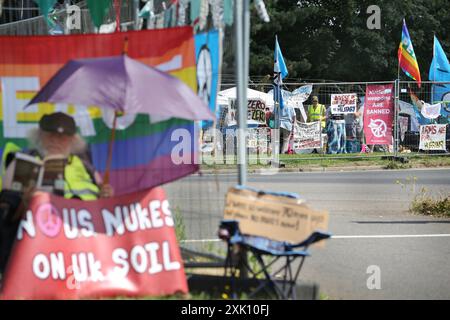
[[329, 39]]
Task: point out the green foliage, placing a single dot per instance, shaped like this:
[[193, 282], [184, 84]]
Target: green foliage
[[329, 39], [426, 204], [180, 228], [394, 165]]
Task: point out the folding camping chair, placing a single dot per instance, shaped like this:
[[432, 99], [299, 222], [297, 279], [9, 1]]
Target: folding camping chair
[[278, 284], [275, 266]]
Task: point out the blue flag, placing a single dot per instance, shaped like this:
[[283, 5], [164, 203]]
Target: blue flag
[[440, 71], [279, 73]]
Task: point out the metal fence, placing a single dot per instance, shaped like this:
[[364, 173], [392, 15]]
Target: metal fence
[[26, 20], [351, 141]]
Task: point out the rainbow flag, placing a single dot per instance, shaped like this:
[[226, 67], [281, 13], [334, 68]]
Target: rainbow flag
[[144, 147], [407, 58]]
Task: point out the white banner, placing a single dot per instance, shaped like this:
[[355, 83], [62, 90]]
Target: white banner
[[432, 137], [258, 140], [307, 136], [431, 111], [343, 103], [256, 109]]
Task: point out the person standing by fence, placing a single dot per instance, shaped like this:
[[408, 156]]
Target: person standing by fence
[[287, 121], [353, 130], [317, 112]]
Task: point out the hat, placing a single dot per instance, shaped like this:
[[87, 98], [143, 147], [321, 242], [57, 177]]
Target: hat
[[58, 122], [315, 98]]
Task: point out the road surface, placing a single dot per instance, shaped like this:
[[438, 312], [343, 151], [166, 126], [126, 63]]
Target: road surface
[[374, 234]]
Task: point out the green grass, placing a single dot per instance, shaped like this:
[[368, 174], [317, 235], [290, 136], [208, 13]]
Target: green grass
[[314, 161], [431, 205], [180, 228]]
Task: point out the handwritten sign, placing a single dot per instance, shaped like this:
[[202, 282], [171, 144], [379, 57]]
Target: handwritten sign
[[307, 136], [343, 103], [273, 217], [432, 137], [71, 249], [256, 109]]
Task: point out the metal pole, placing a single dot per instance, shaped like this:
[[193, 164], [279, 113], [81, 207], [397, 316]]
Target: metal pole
[[66, 6], [241, 10], [246, 43], [396, 108], [136, 14]]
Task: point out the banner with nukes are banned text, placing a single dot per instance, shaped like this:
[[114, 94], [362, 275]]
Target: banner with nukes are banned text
[[379, 114], [70, 249]]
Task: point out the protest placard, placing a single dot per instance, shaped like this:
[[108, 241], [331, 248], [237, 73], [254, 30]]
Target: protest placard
[[256, 109], [379, 114], [432, 137], [343, 103], [274, 217], [307, 136], [72, 249]]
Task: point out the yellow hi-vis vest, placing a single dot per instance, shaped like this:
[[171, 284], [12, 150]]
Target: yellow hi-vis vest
[[9, 147], [317, 114], [78, 182]]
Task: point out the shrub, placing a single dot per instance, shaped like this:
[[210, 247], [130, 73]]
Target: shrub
[[425, 204]]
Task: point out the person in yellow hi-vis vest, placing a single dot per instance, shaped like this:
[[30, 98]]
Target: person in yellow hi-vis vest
[[316, 112], [56, 136]]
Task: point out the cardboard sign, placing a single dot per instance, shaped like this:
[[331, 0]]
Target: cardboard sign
[[343, 103], [71, 249], [273, 217], [432, 137]]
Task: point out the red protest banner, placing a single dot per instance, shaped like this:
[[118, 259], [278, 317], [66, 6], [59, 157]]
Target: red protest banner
[[379, 114], [70, 249]]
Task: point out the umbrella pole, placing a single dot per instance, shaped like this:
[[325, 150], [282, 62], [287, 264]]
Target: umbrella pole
[[113, 130], [110, 150]]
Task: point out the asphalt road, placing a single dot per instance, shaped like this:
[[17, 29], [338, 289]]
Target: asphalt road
[[369, 220]]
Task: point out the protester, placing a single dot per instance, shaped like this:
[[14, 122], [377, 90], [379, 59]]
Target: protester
[[353, 130], [317, 112], [287, 121], [269, 118], [336, 133], [56, 136]]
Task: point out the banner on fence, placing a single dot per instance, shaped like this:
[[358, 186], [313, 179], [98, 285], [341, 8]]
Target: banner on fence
[[344, 103], [27, 63], [256, 109], [379, 114], [207, 54], [431, 112], [71, 249], [275, 217], [307, 136], [403, 123], [258, 139], [432, 137]]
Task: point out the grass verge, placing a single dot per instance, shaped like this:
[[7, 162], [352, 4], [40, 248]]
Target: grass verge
[[314, 161], [428, 205]]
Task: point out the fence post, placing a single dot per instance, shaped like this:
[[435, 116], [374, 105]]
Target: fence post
[[242, 35], [396, 108]]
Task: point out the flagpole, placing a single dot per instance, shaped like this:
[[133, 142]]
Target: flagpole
[[277, 100], [396, 106], [241, 11], [434, 56], [397, 98]]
